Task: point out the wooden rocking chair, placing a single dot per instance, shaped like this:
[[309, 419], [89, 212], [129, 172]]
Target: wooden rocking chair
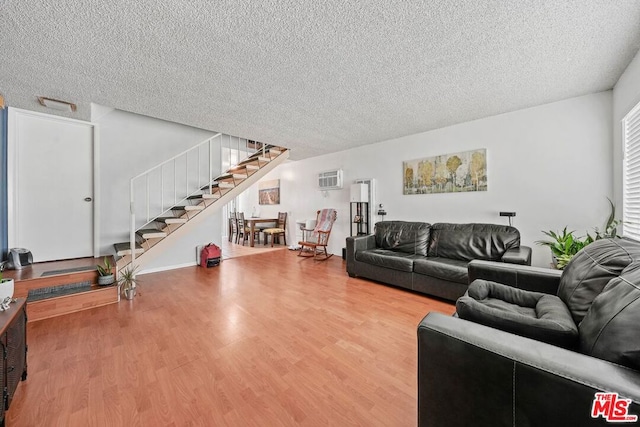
[[316, 243]]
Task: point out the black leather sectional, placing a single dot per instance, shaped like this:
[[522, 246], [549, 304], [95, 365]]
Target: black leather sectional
[[431, 259]]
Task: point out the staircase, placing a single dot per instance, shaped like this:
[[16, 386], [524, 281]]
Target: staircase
[[160, 231]]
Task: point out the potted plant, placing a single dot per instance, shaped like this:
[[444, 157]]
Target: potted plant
[[611, 226], [105, 273], [6, 285], [127, 281], [564, 245]]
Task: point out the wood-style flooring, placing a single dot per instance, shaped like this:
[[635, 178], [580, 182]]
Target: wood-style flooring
[[234, 250], [263, 340]]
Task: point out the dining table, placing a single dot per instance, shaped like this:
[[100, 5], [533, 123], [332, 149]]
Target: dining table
[[251, 223]]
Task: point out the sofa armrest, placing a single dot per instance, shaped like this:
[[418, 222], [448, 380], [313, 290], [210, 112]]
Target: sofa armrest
[[470, 374], [520, 255], [358, 243], [535, 279], [361, 243]]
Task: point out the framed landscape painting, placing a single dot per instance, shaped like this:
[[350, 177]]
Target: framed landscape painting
[[269, 192], [447, 173]]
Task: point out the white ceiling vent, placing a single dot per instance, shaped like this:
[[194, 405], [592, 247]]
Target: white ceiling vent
[[330, 180]]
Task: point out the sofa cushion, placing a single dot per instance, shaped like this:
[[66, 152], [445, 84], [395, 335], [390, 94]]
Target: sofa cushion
[[472, 241], [442, 268], [611, 328], [403, 236], [586, 275], [388, 259], [535, 315]]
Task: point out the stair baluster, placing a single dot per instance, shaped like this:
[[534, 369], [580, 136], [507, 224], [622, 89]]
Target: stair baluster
[[217, 192]]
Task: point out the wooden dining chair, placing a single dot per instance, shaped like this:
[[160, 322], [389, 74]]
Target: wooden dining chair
[[278, 230], [242, 227], [244, 230], [233, 226], [316, 242]]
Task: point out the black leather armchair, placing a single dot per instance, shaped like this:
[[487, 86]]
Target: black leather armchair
[[472, 374]]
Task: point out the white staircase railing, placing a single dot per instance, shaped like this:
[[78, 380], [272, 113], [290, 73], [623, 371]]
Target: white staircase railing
[[171, 182], [174, 181]]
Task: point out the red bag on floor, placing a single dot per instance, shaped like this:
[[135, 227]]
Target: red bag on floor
[[210, 255]]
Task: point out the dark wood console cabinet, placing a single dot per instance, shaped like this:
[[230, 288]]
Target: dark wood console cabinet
[[13, 339]]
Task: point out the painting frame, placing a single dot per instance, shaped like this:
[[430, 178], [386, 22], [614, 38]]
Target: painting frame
[[464, 171], [269, 192]]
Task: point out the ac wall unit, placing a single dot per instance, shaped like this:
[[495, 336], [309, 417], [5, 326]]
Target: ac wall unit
[[330, 180]]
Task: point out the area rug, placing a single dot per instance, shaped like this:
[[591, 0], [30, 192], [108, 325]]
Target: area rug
[[68, 270], [57, 291]]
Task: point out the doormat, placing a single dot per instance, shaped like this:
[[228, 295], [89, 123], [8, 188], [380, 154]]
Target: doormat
[[57, 291], [67, 270]]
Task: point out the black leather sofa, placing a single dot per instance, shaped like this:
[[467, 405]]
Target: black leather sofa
[[431, 259], [474, 374]]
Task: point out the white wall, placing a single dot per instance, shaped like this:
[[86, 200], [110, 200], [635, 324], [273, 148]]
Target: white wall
[[626, 94], [551, 164], [130, 144]]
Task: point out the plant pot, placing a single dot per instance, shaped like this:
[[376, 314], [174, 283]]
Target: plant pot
[[6, 289], [106, 280], [129, 293]]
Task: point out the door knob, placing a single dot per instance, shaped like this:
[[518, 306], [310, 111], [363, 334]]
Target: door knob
[[88, 199]]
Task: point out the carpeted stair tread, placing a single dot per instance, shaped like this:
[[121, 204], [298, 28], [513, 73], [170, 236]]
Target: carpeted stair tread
[[244, 167], [188, 208], [171, 220], [211, 196], [124, 248], [213, 185], [223, 177], [269, 152], [151, 233], [261, 151], [248, 161]]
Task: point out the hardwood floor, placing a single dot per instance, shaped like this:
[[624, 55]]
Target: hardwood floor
[[264, 340]]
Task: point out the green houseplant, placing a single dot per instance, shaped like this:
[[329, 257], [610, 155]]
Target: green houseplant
[[105, 273], [564, 245], [127, 281], [610, 229]]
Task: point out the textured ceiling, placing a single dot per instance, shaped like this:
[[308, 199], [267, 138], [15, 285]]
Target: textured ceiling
[[316, 76]]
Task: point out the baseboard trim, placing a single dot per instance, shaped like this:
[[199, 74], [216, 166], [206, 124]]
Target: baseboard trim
[[170, 267]]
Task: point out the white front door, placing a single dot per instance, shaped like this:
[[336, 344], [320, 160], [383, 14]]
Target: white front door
[[52, 201]]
